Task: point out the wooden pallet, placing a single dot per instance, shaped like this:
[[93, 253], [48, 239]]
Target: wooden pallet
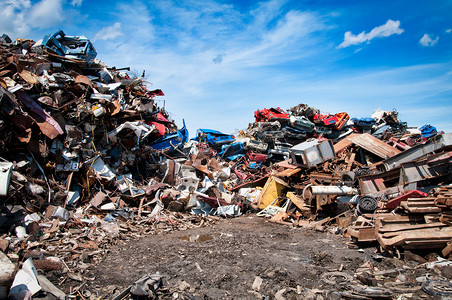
[[411, 232], [443, 197], [421, 205], [363, 230], [426, 238]]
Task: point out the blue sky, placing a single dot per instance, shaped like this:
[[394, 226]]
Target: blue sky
[[219, 61]]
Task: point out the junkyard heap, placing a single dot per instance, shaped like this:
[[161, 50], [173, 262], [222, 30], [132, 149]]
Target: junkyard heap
[[86, 151]]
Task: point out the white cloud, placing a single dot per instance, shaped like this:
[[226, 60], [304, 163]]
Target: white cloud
[[287, 41], [201, 50], [427, 41], [20, 18], [109, 33], [265, 12], [449, 30], [12, 20], [199, 21], [390, 28], [293, 25], [136, 20], [46, 13], [77, 3]]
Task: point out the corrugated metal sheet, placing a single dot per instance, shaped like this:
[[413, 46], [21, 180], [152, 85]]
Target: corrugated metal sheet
[[373, 145]]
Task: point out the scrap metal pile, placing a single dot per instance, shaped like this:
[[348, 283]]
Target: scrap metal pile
[[87, 154], [81, 146], [375, 179]]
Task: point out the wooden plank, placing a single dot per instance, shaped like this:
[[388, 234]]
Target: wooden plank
[[367, 235], [350, 161], [391, 218], [298, 201], [353, 232], [420, 204], [420, 210], [427, 244], [421, 199], [447, 250], [424, 210], [288, 172], [403, 227], [416, 235]]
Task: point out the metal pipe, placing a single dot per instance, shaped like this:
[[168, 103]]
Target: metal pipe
[[333, 190]]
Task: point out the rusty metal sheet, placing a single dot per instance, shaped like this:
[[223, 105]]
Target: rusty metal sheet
[[83, 79], [46, 123], [371, 185], [23, 123], [29, 77], [342, 144], [117, 107], [373, 145]]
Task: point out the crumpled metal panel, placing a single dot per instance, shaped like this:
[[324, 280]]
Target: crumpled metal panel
[[418, 171], [78, 47], [436, 143]]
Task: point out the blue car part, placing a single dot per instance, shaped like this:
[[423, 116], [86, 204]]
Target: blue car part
[[75, 47], [232, 151], [171, 141], [428, 131], [364, 122], [213, 137]]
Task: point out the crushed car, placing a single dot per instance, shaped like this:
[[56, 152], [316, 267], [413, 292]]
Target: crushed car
[[73, 47], [213, 137]]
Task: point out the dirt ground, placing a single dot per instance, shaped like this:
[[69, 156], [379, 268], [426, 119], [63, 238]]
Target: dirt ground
[[222, 261]]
